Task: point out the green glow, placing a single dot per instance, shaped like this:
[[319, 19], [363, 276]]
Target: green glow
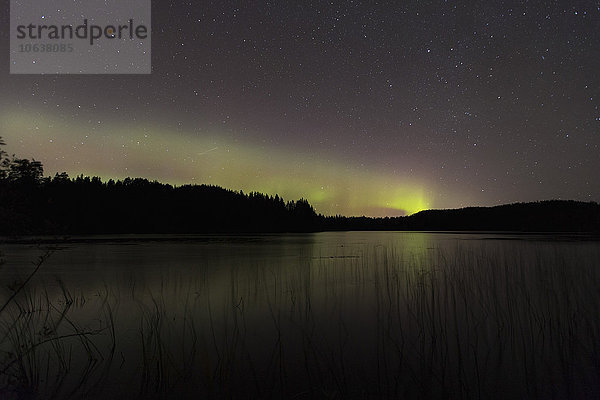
[[118, 151], [410, 202]]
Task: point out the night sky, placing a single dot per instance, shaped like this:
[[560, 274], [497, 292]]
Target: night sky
[[362, 107]]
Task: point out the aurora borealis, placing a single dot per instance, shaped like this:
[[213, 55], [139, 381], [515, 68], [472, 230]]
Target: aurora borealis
[[363, 108], [157, 153]]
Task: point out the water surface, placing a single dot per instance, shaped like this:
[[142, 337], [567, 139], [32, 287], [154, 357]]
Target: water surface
[[325, 315]]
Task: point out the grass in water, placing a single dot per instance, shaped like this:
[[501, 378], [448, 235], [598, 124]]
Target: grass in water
[[374, 323]]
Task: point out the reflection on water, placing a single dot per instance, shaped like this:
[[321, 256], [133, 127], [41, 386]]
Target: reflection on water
[[327, 315]]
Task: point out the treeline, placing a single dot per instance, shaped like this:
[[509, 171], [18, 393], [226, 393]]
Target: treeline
[[542, 216], [33, 204], [85, 205]]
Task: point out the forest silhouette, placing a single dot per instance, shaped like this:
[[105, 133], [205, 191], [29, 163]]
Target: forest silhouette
[[31, 204]]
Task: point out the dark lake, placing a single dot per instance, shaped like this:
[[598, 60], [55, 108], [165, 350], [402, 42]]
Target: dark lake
[[325, 315]]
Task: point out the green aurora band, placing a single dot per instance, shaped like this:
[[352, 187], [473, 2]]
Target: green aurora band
[[107, 150]]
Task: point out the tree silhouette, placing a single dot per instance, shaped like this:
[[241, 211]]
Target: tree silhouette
[[25, 171], [3, 160], [18, 169], [31, 204]]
